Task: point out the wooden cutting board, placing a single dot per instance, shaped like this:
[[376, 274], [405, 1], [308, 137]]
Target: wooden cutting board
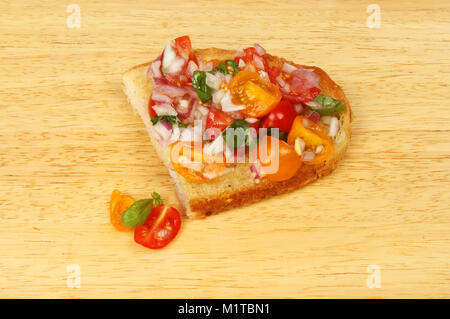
[[68, 138]]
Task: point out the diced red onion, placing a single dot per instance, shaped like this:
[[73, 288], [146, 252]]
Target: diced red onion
[[334, 127], [228, 105], [176, 66], [160, 81], [280, 81], [298, 108], [263, 74], [314, 104], [212, 81], [161, 98], [171, 90], [164, 109], [288, 68], [216, 146], [258, 62], [239, 52], [308, 156], [154, 71], [251, 120], [205, 66], [203, 110], [217, 96], [259, 49], [162, 132], [166, 124], [314, 116], [228, 78], [186, 115], [191, 68], [241, 63], [311, 78]]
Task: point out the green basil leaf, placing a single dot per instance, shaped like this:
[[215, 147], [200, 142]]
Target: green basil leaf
[[237, 134], [172, 119], [330, 106], [233, 64], [199, 83], [220, 68], [137, 213], [156, 199]]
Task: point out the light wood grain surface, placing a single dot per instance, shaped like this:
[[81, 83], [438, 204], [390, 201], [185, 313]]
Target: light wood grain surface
[[68, 138]]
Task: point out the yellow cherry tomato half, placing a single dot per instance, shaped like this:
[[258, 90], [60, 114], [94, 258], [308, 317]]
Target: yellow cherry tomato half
[[279, 161], [258, 94], [193, 165], [118, 204], [314, 136]]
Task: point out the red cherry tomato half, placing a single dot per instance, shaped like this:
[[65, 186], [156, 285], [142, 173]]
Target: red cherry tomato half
[[161, 226], [217, 119], [281, 116]]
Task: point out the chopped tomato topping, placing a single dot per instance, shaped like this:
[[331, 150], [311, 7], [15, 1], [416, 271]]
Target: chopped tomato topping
[[219, 120], [249, 58], [150, 108]]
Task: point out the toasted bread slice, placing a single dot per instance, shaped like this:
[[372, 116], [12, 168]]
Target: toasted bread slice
[[236, 188]]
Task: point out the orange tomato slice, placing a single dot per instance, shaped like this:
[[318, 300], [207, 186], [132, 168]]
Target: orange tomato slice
[[118, 204], [258, 94], [313, 135], [269, 153], [193, 165]]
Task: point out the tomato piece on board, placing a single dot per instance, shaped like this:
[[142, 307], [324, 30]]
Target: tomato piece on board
[[160, 228], [279, 161], [314, 136], [118, 204], [281, 116], [259, 95], [182, 48], [217, 119]]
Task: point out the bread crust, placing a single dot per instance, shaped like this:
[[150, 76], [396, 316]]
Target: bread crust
[[201, 206]]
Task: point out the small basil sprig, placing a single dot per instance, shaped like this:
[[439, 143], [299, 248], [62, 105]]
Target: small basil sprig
[[237, 134], [220, 68], [137, 214], [329, 105], [172, 119], [233, 64], [199, 83]]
